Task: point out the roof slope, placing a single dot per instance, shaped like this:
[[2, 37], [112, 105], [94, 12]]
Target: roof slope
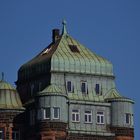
[[66, 55], [81, 60], [9, 98]]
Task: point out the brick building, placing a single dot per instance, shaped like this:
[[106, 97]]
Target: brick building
[[69, 93]]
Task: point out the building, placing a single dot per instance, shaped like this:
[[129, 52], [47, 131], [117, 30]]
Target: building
[[69, 93]]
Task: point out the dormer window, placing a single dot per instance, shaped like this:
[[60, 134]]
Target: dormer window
[[74, 48], [84, 88], [46, 51], [69, 86], [98, 89]]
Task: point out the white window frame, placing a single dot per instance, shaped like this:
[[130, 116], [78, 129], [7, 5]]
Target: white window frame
[[16, 132], [70, 87], [1, 131], [101, 116], [58, 116], [86, 87], [129, 118], [76, 113], [44, 113], [88, 114]]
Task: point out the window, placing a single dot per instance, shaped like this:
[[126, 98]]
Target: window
[[74, 48], [84, 87], [1, 134], [40, 86], [39, 114], [97, 89], [32, 117], [88, 116], [69, 86], [75, 115], [127, 118], [47, 113], [132, 119], [32, 89], [56, 113], [15, 135], [46, 51], [100, 117]]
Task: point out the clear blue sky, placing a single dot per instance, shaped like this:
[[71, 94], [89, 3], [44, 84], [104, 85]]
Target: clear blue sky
[[110, 28]]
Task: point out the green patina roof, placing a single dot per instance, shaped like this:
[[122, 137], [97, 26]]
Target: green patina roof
[[59, 57], [113, 95], [84, 61], [89, 97], [52, 90], [9, 98], [6, 86]]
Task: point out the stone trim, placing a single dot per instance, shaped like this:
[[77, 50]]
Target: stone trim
[[73, 136]]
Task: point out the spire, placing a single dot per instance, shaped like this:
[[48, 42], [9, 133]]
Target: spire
[[2, 76], [64, 31]]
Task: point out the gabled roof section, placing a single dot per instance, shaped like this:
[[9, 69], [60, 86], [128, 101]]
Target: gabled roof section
[[112, 94], [52, 90]]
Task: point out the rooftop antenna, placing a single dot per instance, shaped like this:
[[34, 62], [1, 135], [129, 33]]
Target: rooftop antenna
[[64, 30], [2, 76]]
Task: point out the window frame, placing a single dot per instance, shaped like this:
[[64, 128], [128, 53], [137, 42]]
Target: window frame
[[88, 115], [32, 116], [74, 48], [86, 87], [71, 86], [58, 116], [127, 119], [98, 90], [100, 115], [32, 87], [75, 120], [44, 113]]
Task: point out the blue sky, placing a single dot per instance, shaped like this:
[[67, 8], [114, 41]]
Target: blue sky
[[110, 28]]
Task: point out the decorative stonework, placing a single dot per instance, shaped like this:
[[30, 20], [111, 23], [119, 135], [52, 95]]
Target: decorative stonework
[[89, 137], [53, 126]]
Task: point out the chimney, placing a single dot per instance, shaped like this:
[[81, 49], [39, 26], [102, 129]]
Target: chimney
[[55, 35]]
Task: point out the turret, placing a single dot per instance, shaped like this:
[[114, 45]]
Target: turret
[[10, 110], [52, 113], [121, 115]]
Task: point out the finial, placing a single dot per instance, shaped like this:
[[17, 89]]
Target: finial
[[64, 31], [2, 76]]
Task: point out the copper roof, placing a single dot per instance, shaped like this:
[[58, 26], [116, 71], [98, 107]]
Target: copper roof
[[9, 98], [66, 55]]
